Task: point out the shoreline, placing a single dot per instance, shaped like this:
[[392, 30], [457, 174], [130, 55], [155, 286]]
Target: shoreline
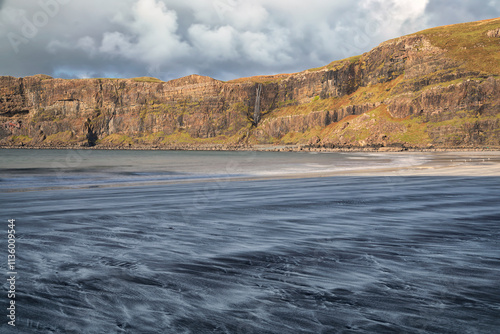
[[450, 164], [456, 163], [432, 168], [263, 148]]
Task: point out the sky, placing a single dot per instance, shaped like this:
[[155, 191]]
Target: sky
[[223, 39]]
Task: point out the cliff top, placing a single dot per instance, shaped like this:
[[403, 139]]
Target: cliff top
[[473, 43], [192, 79], [263, 78], [476, 44]]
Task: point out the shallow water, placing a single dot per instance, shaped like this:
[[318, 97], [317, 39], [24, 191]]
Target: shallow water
[[24, 170], [98, 253]]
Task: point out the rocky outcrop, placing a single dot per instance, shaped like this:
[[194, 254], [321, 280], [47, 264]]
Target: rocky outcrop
[[280, 126], [494, 33], [406, 83]]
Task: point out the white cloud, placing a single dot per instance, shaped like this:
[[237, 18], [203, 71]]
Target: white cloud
[[117, 44], [217, 44], [151, 36], [270, 48], [248, 16], [393, 17]]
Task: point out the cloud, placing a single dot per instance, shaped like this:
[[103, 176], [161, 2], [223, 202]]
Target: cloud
[[149, 35], [224, 39], [217, 44], [440, 12]]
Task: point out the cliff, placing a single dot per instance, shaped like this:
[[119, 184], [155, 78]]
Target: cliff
[[436, 88]]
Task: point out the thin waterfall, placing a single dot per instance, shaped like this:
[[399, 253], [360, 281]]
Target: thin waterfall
[[256, 112]]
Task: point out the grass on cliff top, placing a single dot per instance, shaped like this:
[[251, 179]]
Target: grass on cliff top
[[337, 64], [42, 77], [146, 79], [468, 42], [263, 79]]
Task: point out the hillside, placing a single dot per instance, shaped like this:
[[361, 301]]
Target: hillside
[[435, 88]]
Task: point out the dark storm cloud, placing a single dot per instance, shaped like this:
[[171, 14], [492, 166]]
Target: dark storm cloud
[[443, 12], [221, 38]]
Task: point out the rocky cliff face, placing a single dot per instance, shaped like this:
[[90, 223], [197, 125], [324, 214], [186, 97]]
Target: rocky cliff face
[[434, 88]]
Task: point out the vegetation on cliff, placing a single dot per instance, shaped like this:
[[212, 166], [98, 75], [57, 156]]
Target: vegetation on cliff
[[439, 87]]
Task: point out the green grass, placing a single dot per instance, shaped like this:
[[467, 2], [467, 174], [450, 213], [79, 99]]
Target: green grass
[[337, 64], [469, 43], [44, 116], [152, 138], [147, 79], [42, 77], [157, 109], [282, 104], [179, 137], [22, 139], [61, 138], [263, 79], [457, 122]]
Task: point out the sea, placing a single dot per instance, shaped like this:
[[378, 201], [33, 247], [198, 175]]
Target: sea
[[122, 241]]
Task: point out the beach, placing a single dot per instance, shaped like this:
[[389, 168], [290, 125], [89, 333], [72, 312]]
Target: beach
[[253, 242]]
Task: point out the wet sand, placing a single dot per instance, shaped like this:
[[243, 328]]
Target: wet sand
[[464, 163], [388, 244], [447, 164]]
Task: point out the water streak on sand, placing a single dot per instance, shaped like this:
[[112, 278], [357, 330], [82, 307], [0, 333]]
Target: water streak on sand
[[399, 245]]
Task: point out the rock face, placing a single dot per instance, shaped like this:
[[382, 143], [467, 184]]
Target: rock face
[[416, 90], [494, 33]]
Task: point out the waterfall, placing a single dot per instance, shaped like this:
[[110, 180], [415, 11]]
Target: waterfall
[[256, 112]]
